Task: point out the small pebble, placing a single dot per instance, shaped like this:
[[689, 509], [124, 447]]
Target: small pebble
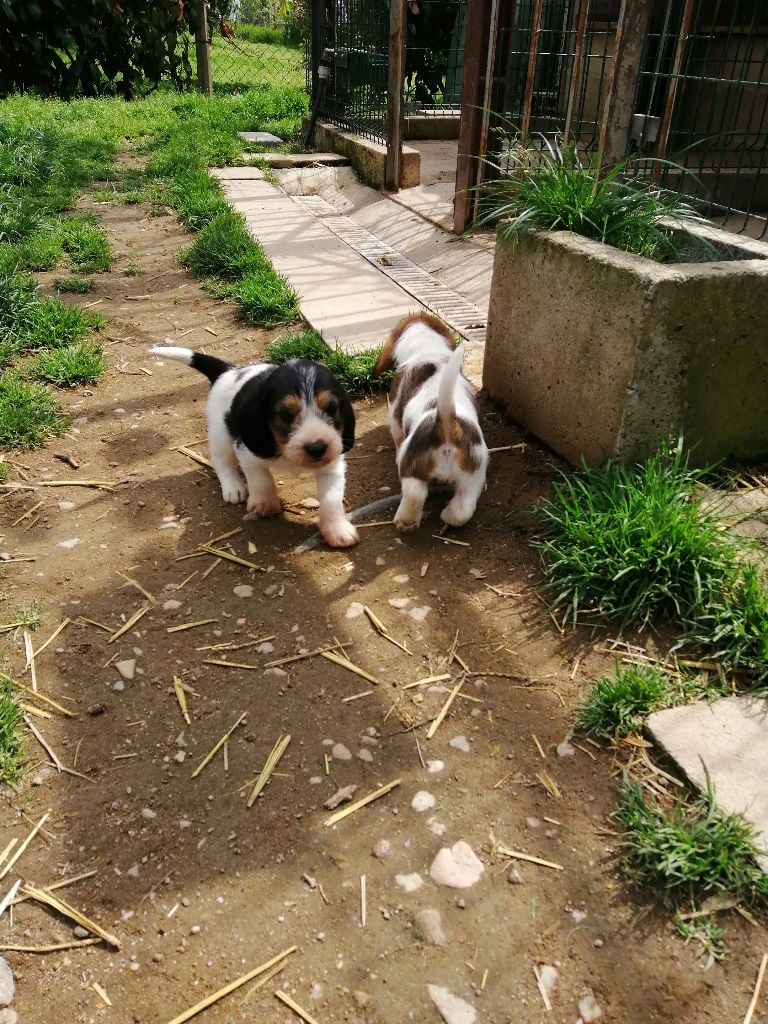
[[410, 883], [459, 743], [589, 1008], [148, 813], [354, 611], [243, 590], [565, 749], [171, 605], [423, 801], [341, 753], [382, 849], [365, 755]]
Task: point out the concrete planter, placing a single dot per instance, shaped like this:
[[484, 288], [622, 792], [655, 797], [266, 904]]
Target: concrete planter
[[602, 353]]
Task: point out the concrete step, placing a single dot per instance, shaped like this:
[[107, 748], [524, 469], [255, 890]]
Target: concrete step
[[282, 160]]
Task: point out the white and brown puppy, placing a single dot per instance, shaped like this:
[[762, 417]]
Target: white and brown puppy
[[294, 418], [433, 419]]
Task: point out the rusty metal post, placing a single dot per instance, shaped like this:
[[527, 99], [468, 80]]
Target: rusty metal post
[[479, 51], [395, 90], [631, 33], [578, 58], [530, 79], [669, 104], [203, 51]]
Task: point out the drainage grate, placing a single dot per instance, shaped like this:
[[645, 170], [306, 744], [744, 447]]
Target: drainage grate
[[460, 314]]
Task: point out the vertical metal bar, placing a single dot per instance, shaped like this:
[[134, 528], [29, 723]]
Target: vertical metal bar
[[669, 105], [395, 85], [476, 48], [619, 102], [203, 51], [578, 56], [485, 123], [317, 42], [530, 81]]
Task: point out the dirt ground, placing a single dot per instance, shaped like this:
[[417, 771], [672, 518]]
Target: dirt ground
[[197, 887]]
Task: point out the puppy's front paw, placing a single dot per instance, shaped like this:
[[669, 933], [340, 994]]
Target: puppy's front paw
[[339, 533], [457, 512], [264, 505], [407, 518], [233, 490]]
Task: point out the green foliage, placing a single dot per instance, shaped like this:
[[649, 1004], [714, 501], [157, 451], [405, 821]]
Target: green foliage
[[53, 324], [81, 363], [76, 285], [731, 620], [353, 370], [29, 414], [553, 189], [55, 47], [11, 742], [265, 299], [225, 250], [86, 244], [695, 852], [618, 706], [196, 198]]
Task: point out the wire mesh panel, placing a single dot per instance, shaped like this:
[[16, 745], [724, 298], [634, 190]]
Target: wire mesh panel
[[702, 104], [434, 55], [355, 96], [244, 56]]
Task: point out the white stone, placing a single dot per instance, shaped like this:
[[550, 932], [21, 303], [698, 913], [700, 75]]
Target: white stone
[[382, 849], [418, 614], [589, 1009], [433, 767], [548, 976], [341, 753], [69, 544], [452, 1009], [7, 984], [171, 605], [399, 602], [459, 743], [565, 749], [148, 814], [380, 560], [8, 1016], [354, 611], [243, 590], [401, 579], [457, 866], [365, 755], [309, 503], [423, 801], [410, 882], [127, 668], [436, 827], [428, 926], [119, 686], [66, 506], [578, 916]]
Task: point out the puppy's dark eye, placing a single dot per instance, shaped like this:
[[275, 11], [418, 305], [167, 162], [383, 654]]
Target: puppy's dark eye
[[285, 416], [331, 408]]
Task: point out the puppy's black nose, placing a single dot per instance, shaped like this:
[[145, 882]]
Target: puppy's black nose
[[316, 449]]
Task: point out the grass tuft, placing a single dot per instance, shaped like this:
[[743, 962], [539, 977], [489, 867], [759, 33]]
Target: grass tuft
[[196, 198], [11, 742], [86, 244], [618, 706], [553, 189], [29, 414], [225, 250], [81, 363], [28, 615], [75, 285], [353, 370], [695, 852], [265, 299]]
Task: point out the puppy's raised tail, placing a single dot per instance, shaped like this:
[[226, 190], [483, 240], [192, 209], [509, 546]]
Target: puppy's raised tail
[[209, 366], [449, 375]]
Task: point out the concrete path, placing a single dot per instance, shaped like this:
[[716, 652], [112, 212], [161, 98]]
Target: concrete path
[[729, 738]]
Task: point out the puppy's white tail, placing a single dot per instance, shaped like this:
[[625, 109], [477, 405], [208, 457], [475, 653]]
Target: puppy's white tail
[[209, 366], [446, 390]]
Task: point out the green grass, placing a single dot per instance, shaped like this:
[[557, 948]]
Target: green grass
[[618, 706], [28, 616], [86, 244], [225, 250], [5, 472], [29, 414], [54, 324], [265, 299], [553, 189], [249, 61], [353, 370], [11, 741], [196, 198], [81, 363], [694, 852], [75, 285]]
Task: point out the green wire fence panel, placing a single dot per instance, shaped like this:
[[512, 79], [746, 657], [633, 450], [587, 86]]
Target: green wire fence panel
[[434, 55]]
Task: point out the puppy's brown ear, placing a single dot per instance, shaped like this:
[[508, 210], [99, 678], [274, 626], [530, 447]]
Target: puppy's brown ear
[[386, 358]]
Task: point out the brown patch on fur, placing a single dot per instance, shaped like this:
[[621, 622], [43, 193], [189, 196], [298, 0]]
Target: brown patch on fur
[[291, 404], [324, 399], [419, 461], [406, 384], [387, 358]]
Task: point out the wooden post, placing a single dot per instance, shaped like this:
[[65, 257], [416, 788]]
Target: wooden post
[[203, 51], [530, 77], [479, 50], [669, 104], [395, 89], [631, 33], [578, 55]]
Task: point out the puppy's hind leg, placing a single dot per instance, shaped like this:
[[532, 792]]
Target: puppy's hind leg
[[462, 505], [334, 525], [414, 494], [263, 499], [220, 446]]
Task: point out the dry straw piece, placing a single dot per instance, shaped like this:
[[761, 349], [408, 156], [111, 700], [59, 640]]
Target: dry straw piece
[[190, 625], [349, 666], [50, 640], [231, 987], [436, 722], [758, 987], [181, 697], [230, 664], [217, 747], [195, 456], [381, 629], [220, 553], [43, 896], [130, 623], [382, 791], [7, 867], [101, 993], [271, 763], [284, 998], [53, 947], [505, 851], [99, 485]]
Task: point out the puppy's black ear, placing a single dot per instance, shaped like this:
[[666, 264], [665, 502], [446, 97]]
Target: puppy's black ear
[[249, 415], [347, 414]]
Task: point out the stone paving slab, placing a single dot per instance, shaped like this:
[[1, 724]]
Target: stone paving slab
[[731, 737], [301, 159], [261, 138], [342, 296]]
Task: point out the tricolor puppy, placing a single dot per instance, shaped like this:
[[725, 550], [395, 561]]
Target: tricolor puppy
[[293, 418], [433, 419]]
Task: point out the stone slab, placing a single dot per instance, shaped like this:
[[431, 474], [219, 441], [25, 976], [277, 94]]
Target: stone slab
[[261, 138], [302, 159], [238, 174], [342, 296], [730, 737]]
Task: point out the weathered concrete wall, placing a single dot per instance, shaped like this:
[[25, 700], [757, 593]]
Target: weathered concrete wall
[[603, 353], [439, 127], [368, 158]]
